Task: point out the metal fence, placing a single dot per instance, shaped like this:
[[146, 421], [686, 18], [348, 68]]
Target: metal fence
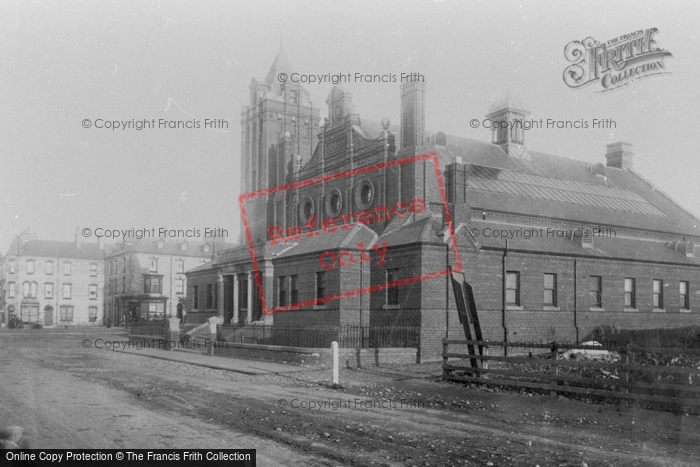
[[347, 336]]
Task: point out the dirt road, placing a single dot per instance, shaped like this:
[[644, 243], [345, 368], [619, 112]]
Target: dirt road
[[91, 398]]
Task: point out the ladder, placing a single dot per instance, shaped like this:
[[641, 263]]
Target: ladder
[[468, 316]]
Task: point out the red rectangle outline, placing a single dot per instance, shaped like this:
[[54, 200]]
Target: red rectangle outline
[[312, 181]]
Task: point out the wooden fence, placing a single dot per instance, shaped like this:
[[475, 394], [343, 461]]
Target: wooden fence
[[631, 378]]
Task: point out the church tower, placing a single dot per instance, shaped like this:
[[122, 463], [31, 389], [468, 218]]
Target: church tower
[[507, 116], [279, 110]]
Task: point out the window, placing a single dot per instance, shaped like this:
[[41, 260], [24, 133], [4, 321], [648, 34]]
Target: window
[[66, 269], [92, 292], [215, 296], [180, 265], [195, 297], [320, 285], [29, 289], [123, 284], [392, 293], [30, 266], [183, 246], [292, 96], [49, 268], [295, 289], [11, 290], [595, 288], [65, 313], [48, 290], [13, 266], [93, 270], [685, 303], [550, 289], [282, 287], [210, 296], [658, 293], [153, 266], [180, 285], [630, 299], [92, 313], [207, 248], [66, 291], [123, 264], [513, 288], [152, 284]]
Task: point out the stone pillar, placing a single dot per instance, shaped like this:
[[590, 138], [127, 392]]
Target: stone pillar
[[172, 335], [234, 320], [213, 322], [249, 318], [220, 298]]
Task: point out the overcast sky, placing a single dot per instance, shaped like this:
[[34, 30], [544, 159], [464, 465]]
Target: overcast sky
[[64, 62]]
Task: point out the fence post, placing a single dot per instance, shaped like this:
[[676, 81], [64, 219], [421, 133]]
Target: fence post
[[625, 376], [555, 368], [213, 322], [334, 357], [172, 334], [485, 363]]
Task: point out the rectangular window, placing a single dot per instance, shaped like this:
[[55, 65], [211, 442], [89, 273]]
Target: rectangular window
[[48, 290], [123, 284], [30, 266], [13, 266], [66, 313], [684, 289], [153, 266], [29, 289], [320, 285], [658, 293], [550, 289], [295, 289], [392, 293], [92, 313], [180, 265], [66, 290], [180, 285], [123, 264], [215, 296], [282, 288], [92, 291], [513, 288], [630, 299], [49, 268], [93, 270], [195, 297], [66, 269], [152, 284], [210, 296], [11, 290], [595, 287]]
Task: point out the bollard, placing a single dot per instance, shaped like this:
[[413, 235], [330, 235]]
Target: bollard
[[334, 357]]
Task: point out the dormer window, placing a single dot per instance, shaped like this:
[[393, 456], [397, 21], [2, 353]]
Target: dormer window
[[207, 248], [183, 246], [161, 244]]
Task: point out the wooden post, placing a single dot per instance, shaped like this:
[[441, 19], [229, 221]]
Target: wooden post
[[555, 368], [485, 363], [444, 359], [334, 357], [625, 376]]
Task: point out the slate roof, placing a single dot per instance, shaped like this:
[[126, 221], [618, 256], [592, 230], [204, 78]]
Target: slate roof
[[329, 241], [170, 247], [56, 249], [559, 188]]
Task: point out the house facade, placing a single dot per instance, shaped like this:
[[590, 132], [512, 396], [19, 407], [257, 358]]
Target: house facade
[[52, 283], [145, 278], [554, 248]]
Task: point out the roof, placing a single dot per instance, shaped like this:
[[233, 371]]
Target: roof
[[55, 249], [508, 102], [329, 241], [555, 187], [170, 247], [280, 65]]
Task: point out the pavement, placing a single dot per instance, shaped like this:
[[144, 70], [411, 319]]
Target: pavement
[[248, 367]]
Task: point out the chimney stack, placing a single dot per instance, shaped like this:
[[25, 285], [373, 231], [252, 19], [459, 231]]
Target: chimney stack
[[101, 243], [412, 116], [619, 155], [456, 186]]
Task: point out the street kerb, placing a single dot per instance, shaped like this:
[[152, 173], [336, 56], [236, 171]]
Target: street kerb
[[328, 177]]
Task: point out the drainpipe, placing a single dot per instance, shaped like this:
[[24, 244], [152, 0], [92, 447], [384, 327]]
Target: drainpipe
[[576, 298], [505, 327]]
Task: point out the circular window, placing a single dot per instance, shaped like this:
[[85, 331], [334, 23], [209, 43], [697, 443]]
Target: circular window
[[334, 203], [307, 209], [364, 194]]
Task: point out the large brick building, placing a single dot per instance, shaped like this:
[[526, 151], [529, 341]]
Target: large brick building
[[52, 283], [590, 246]]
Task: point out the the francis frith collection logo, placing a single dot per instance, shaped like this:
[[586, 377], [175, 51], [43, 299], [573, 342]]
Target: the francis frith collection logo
[[614, 63]]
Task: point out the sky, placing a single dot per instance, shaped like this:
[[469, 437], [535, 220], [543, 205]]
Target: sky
[[65, 62]]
